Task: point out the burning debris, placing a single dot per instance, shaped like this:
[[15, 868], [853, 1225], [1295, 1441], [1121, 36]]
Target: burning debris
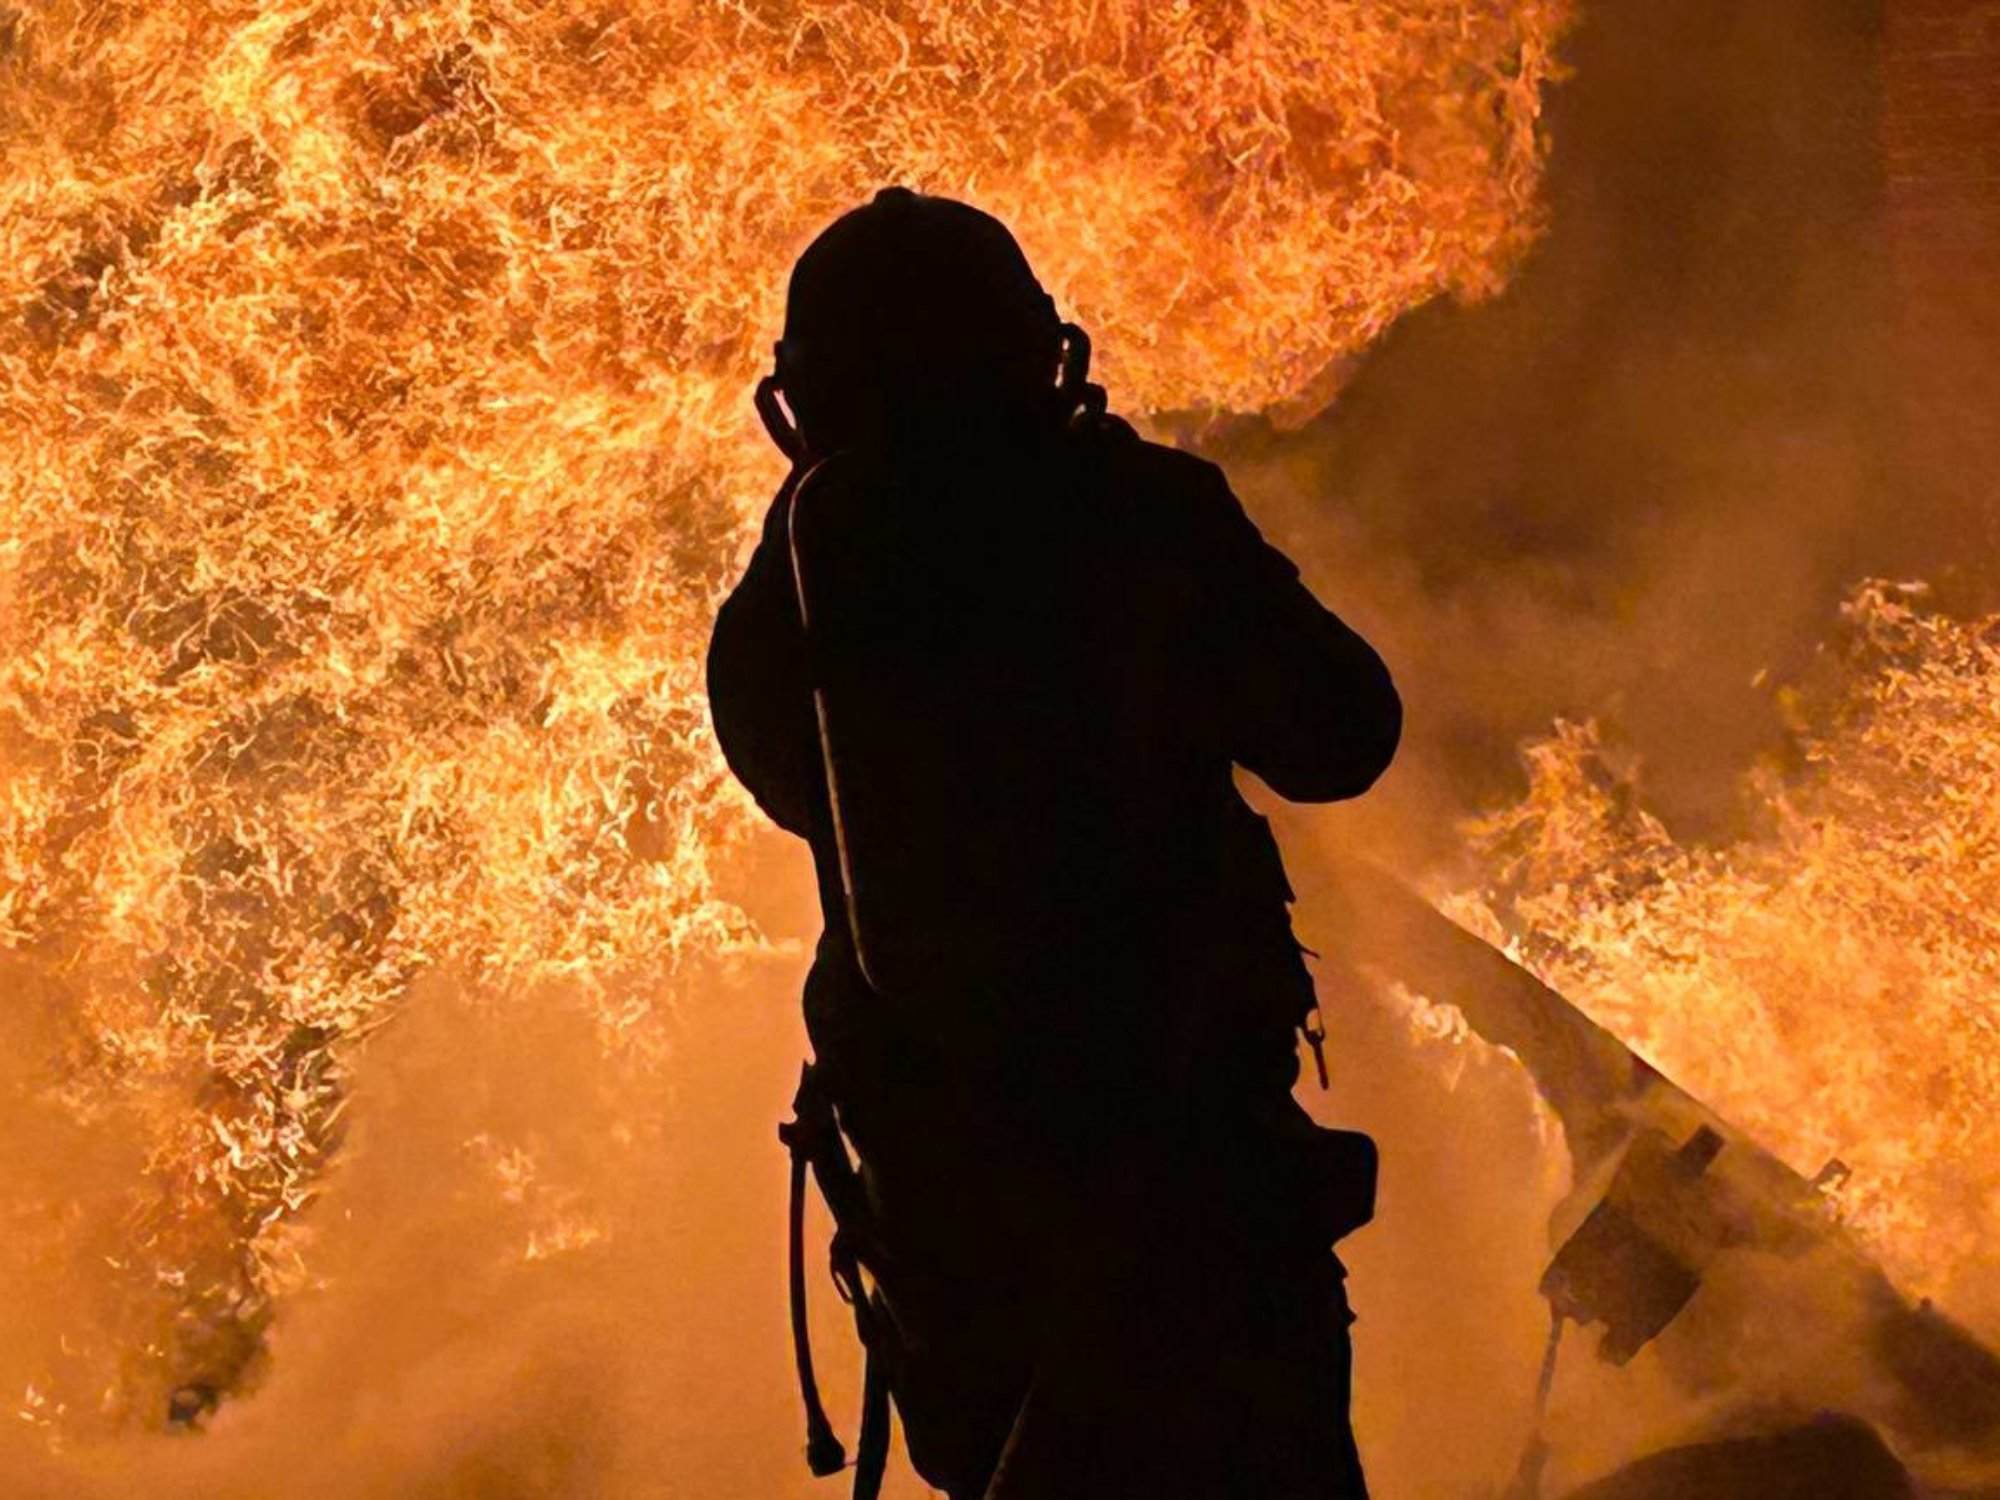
[[1808, 1235], [1826, 979]]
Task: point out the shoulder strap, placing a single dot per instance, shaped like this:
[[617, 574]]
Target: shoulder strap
[[830, 831]]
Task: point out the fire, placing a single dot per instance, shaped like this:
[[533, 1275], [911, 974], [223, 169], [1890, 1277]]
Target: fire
[[1827, 980], [375, 384]]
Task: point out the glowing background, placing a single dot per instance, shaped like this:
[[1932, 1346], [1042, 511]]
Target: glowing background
[[373, 380]]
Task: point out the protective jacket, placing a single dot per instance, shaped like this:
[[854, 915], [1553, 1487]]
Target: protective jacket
[[1102, 1273]]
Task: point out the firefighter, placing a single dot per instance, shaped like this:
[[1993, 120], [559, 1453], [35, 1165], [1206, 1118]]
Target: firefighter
[[995, 658]]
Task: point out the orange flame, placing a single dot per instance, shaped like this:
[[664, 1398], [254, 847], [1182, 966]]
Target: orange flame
[[1827, 982], [375, 379]]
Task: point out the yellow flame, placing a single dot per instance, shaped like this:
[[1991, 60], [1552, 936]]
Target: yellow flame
[[375, 379], [1828, 982]]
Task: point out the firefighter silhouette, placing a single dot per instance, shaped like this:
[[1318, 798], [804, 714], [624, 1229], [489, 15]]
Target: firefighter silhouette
[[995, 657]]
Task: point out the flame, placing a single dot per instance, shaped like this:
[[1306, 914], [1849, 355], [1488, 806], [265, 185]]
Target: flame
[[375, 385], [1826, 981]]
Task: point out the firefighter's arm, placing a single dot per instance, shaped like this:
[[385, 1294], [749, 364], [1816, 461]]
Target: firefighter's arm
[[1308, 704], [757, 686]]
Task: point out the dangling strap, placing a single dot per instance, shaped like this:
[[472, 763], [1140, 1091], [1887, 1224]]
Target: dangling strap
[[824, 1453], [812, 1136]]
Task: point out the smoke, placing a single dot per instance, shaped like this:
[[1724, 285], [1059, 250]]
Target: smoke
[[1636, 489], [1443, 1282], [538, 1269], [1653, 467]]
